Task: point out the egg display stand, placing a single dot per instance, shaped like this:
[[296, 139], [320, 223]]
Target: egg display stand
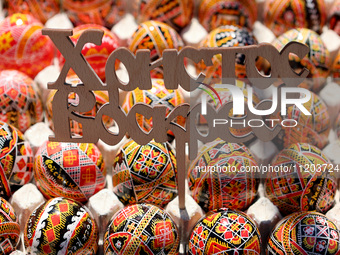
[[138, 67]]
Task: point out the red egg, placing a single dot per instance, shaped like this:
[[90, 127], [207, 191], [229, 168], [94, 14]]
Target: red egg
[[22, 46]]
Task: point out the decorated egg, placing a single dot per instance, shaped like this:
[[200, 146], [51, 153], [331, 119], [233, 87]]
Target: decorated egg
[[101, 12], [176, 13], [16, 160], [218, 176], [95, 55], [156, 37], [303, 180], [61, 226], [19, 103], [334, 21], [336, 68], [215, 13], [304, 233], [23, 47], [141, 229], [226, 36], [280, 16], [71, 170], [76, 127], [40, 9], [225, 231], [158, 95], [145, 173], [317, 61], [10, 228], [298, 127]]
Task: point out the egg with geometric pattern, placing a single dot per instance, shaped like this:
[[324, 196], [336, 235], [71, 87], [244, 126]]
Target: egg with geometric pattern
[[218, 178], [101, 12], [280, 16], [225, 231], [23, 47], [16, 160], [304, 233], [61, 226], [145, 173], [317, 61], [71, 170], [39, 9], [215, 13], [10, 228], [155, 36], [141, 229], [20, 104], [304, 180]]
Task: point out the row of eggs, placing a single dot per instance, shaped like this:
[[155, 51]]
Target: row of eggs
[[63, 226], [278, 16]]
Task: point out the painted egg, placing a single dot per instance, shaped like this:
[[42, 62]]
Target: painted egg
[[141, 229], [71, 170], [76, 127], [225, 231], [10, 228], [23, 47], [96, 55], [223, 95], [337, 126], [280, 16], [226, 36], [336, 68], [40, 9], [158, 95], [101, 12], [61, 226], [19, 103], [215, 13], [298, 127], [317, 61], [334, 21], [218, 177], [16, 160], [304, 233], [145, 173], [301, 180], [156, 37], [176, 13]]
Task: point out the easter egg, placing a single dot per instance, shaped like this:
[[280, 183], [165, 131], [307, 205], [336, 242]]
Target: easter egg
[[158, 95], [10, 228], [19, 103], [61, 226], [95, 55], [299, 127], [23, 47], [334, 21], [317, 61], [145, 173], [101, 12], [337, 126], [156, 37], [303, 180], [218, 177], [226, 36], [280, 16], [304, 233], [40, 9], [16, 160], [76, 127], [176, 13], [336, 68], [141, 229], [71, 170], [225, 231], [215, 13]]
